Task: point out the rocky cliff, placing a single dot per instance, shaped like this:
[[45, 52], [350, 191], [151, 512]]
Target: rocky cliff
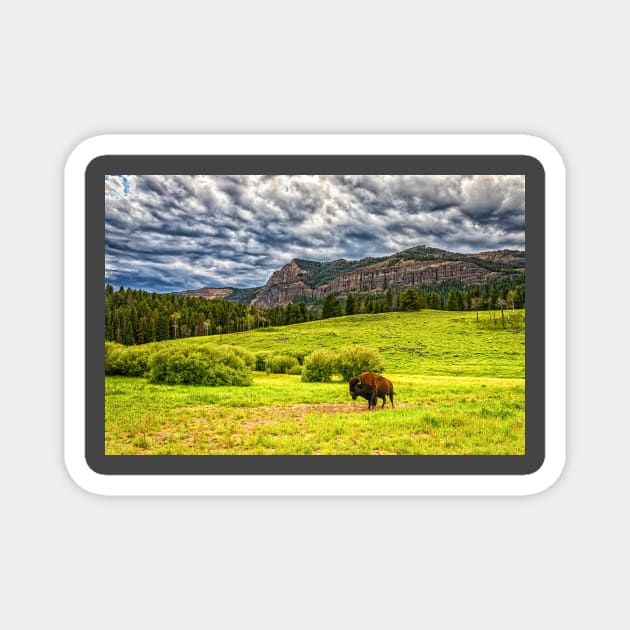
[[409, 268], [405, 275], [283, 286]]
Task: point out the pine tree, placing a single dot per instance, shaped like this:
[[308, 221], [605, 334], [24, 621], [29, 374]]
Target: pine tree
[[459, 300], [422, 299], [331, 307], [303, 312], [291, 313], [451, 303], [109, 325], [200, 324], [408, 300], [163, 332], [151, 329], [350, 305], [434, 300], [389, 300], [129, 338], [141, 332]]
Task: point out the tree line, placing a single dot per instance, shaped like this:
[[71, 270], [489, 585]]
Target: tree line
[[136, 317], [445, 297]]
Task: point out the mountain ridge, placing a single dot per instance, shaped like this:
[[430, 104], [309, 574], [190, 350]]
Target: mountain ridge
[[420, 265]]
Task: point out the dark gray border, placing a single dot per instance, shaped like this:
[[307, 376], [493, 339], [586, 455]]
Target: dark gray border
[[316, 464]]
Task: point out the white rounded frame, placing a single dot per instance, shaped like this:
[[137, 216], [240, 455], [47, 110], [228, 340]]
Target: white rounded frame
[[315, 485]]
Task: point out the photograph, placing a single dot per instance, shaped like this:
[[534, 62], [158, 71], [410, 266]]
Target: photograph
[[301, 314]]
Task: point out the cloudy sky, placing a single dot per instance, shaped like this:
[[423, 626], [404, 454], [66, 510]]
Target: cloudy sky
[[170, 233]]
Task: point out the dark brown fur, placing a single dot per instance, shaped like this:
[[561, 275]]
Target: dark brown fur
[[371, 386]]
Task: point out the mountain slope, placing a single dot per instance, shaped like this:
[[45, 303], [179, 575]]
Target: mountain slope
[[415, 266], [420, 265]]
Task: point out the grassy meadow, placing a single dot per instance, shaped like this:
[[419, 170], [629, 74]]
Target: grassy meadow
[[459, 389]]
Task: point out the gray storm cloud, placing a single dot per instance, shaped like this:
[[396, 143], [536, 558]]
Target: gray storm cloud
[[169, 233]]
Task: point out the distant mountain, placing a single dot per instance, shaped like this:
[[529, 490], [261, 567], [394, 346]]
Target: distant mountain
[[420, 265], [232, 294], [415, 266]]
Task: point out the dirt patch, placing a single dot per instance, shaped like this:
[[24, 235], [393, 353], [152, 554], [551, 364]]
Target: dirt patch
[[344, 408], [287, 411], [235, 420], [266, 414], [259, 421]]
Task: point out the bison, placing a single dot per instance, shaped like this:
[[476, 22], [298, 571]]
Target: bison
[[371, 386]]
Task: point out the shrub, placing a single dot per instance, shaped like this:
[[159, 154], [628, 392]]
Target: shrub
[[352, 361], [260, 364], [282, 364], [298, 354], [318, 366], [249, 358], [296, 369], [127, 360], [113, 357], [514, 321], [200, 365]]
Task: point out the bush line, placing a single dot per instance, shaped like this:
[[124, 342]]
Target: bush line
[[194, 364]]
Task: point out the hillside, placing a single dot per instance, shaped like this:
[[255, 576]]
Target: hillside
[[421, 342]]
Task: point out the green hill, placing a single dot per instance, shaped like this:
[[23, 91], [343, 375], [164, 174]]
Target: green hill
[[420, 342]]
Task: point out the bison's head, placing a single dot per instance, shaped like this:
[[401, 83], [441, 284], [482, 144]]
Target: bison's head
[[355, 387]]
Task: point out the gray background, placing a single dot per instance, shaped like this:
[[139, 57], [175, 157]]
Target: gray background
[[72, 70]]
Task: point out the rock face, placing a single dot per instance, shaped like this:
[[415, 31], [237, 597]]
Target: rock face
[[395, 272], [407, 274], [283, 286]]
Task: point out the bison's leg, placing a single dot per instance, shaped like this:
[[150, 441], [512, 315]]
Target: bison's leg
[[384, 397], [391, 397], [373, 399]]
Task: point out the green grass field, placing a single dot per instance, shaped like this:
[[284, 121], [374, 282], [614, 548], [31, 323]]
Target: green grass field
[[460, 389]]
